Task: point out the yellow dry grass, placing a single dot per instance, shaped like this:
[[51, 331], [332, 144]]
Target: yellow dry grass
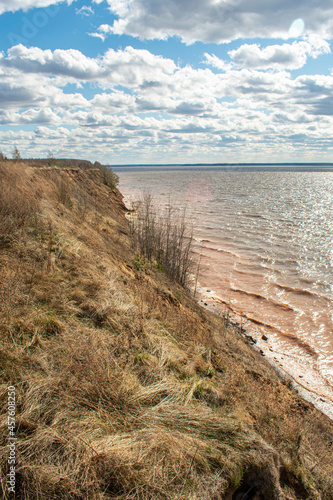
[[123, 391]]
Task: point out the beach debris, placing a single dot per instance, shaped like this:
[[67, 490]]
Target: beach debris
[[262, 352], [264, 337], [250, 339]]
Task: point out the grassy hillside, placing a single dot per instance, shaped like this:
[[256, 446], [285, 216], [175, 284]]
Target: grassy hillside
[[125, 388]]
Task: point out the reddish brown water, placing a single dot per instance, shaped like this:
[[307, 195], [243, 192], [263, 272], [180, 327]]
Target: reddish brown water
[[265, 240]]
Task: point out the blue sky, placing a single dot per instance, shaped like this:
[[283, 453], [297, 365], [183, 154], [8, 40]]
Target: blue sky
[[178, 81]]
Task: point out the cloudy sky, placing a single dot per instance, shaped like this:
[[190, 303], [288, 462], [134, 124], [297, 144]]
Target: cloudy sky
[[167, 81]]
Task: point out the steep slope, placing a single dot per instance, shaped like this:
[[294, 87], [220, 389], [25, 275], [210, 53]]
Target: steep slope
[[124, 387]]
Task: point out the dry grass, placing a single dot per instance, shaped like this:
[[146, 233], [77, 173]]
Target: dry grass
[[17, 203], [125, 388]]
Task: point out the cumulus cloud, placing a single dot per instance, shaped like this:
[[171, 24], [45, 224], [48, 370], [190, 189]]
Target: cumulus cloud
[[16, 94], [149, 103], [37, 116], [217, 21], [115, 102], [135, 66], [102, 31], [287, 56], [58, 62], [14, 5], [316, 91], [216, 62], [129, 66]]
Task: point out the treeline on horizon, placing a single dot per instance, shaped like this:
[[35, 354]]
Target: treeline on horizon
[[245, 167], [69, 162], [235, 166]]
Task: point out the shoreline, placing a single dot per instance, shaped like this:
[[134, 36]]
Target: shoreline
[[282, 363]]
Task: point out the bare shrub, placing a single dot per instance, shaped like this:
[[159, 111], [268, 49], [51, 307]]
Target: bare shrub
[[165, 237], [16, 154], [108, 177]]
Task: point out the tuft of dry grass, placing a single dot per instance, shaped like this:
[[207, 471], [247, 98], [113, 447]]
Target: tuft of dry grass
[[125, 387]]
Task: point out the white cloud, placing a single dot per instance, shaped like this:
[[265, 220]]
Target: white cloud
[[98, 35], [59, 62], [85, 11], [135, 66], [218, 21], [286, 56], [22, 93], [317, 92], [14, 5], [102, 31], [37, 116], [216, 62], [8, 117], [19, 91], [129, 66], [116, 102], [145, 102]]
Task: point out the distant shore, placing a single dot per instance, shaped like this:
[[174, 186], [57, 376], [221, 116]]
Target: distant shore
[[286, 167]]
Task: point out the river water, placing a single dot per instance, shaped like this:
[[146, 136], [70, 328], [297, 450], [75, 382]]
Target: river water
[[265, 240]]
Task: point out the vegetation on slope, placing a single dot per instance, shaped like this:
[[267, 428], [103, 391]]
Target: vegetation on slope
[[125, 387]]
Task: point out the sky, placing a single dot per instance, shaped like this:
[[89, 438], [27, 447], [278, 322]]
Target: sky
[[167, 81]]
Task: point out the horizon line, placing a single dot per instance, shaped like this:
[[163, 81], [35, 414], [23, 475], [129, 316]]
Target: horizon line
[[229, 164]]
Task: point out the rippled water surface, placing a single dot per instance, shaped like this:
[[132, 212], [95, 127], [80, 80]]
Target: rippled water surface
[[266, 239]]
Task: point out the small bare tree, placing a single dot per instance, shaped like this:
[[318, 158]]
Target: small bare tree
[[51, 159], [16, 154]]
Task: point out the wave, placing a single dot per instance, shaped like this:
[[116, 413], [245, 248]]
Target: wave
[[260, 323], [296, 290], [285, 307], [291, 338], [215, 249], [300, 343], [250, 273]]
